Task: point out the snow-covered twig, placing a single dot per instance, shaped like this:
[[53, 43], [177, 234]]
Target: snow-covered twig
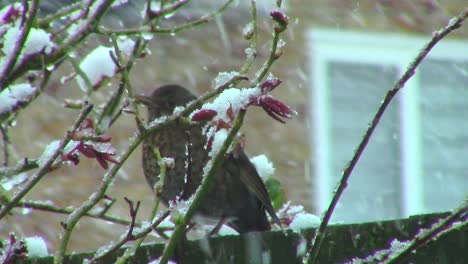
[[48, 207], [251, 33], [151, 13], [129, 236], [22, 166], [38, 61], [171, 30], [444, 226]]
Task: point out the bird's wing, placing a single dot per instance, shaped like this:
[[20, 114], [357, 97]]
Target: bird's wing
[[249, 176]]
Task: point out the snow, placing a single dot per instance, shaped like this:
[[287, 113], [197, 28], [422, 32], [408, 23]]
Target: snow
[[397, 246], [303, 221], [227, 231], [179, 208], [10, 183], [36, 41], [292, 209], [453, 21], [119, 3], [235, 98], [264, 166], [249, 52], [223, 78], [166, 223], [48, 152], [281, 44], [301, 248], [157, 121], [156, 261], [248, 30], [178, 109], [126, 45], [168, 162], [77, 27], [15, 95], [36, 246], [147, 36], [103, 147], [218, 141], [82, 25], [97, 65]]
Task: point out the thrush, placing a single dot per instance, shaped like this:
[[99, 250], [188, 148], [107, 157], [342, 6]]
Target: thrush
[[238, 194]]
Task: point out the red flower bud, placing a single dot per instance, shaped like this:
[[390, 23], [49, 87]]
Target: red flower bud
[[104, 138], [269, 84], [87, 123], [281, 19], [87, 150], [204, 115], [11, 14], [276, 108]]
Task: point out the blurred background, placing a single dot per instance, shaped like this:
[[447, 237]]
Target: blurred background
[[339, 60]]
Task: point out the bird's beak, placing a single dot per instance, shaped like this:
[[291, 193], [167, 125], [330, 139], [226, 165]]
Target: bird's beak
[[143, 99]]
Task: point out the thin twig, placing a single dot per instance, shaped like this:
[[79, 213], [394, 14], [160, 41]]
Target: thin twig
[[252, 54], [141, 235], [139, 47], [172, 30], [271, 59], [5, 145], [36, 62], [47, 21], [50, 208], [24, 165], [83, 14], [157, 13], [437, 36], [130, 236]]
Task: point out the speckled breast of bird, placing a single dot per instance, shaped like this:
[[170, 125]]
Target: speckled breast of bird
[[224, 198]]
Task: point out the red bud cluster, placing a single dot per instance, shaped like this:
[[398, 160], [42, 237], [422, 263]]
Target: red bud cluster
[[281, 20], [91, 145], [273, 107], [11, 15]]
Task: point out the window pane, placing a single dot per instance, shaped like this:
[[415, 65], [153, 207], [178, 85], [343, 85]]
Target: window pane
[[356, 91], [444, 106]]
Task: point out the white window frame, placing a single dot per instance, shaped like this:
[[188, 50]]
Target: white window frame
[[392, 49]]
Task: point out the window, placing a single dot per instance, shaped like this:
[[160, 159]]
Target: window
[[417, 159]]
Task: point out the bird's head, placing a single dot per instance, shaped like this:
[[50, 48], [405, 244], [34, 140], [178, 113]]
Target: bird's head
[[165, 99]]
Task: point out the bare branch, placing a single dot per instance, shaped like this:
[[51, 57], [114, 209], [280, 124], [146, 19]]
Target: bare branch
[[51, 208], [172, 30]]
